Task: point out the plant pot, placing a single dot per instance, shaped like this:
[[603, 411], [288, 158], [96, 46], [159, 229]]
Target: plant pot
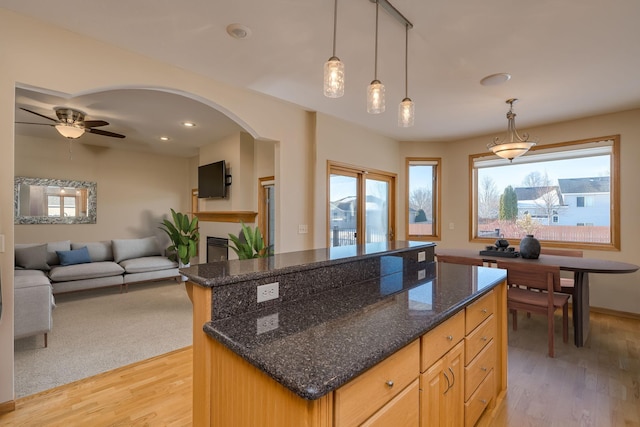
[[529, 247], [181, 265]]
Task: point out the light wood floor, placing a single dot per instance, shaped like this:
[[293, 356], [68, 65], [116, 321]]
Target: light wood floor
[[597, 385]]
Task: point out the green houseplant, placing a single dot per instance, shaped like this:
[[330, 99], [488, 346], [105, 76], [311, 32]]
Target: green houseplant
[[249, 243], [184, 237]]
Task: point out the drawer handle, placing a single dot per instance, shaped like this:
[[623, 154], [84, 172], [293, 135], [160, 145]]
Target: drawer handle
[[483, 401], [483, 338], [450, 337], [389, 383], [483, 369], [484, 311]]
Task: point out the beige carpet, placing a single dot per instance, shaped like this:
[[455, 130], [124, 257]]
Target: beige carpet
[[99, 330]]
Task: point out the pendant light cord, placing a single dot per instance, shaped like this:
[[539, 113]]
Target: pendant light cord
[[406, 61], [335, 19], [375, 65]]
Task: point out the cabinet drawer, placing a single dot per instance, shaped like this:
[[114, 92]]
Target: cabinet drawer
[[476, 340], [402, 411], [479, 401], [479, 311], [440, 340], [363, 396], [478, 369]]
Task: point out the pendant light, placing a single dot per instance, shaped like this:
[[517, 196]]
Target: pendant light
[[334, 68], [406, 109], [513, 145], [375, 91]]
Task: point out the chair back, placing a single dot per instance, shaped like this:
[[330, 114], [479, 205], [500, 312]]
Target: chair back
[[452, 259], [534, 276], [561, 252]]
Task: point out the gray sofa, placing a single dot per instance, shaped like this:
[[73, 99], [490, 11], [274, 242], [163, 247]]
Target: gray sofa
[[45, 269]]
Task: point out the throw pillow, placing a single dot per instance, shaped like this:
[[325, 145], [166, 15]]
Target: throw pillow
[[74, 256], [32, 257]]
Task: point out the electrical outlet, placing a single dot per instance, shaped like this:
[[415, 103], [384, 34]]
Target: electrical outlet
[[303, 228], [422, 274], [268, 292], [267, 323], [1, 242], [422, 256], [451, 226]]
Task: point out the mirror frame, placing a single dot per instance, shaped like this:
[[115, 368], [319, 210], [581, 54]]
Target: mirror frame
[[92, 201]]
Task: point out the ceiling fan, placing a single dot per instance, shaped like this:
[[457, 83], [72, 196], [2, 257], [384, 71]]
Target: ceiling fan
[[71, 123]]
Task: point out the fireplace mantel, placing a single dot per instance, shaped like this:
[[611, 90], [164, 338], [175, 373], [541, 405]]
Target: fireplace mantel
[[226, 216]]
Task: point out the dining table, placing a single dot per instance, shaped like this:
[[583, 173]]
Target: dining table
[[581, 267]]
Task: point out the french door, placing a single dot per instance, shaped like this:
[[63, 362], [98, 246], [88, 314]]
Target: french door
[[361, 205]]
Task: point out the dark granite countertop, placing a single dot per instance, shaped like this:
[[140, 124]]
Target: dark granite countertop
[[225, 272], [316, 345]]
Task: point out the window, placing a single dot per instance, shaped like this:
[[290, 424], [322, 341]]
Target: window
[[360, 206], [422, 198], [562, 193]]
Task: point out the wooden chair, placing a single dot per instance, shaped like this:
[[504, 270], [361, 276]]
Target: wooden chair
[[534, 287], [459, 260], [567, 284]]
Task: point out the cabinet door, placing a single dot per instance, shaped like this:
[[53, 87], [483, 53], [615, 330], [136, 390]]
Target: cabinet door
[[442, 391], [453, 402]]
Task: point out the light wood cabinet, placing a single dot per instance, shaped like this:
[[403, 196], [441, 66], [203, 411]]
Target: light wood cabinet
[[441, 401], [450, 376], [480, 357], [360, 398], [401, 411]]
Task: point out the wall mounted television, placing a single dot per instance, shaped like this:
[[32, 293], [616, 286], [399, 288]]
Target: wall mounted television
[[213, 180]]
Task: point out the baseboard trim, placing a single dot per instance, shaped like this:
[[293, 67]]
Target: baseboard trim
[[610, 312], [6, 407]]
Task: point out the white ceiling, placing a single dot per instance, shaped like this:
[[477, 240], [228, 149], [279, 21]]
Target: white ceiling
[[568, 59]]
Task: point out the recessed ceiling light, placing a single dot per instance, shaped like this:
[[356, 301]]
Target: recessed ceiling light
[[495, 79], [164, 138], [238, 31], [189, 124]]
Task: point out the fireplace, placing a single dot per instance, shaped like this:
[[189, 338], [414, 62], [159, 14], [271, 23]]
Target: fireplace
[[217, 249]]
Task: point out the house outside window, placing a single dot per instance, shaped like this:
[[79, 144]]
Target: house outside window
[[562, 193], [422, 216]]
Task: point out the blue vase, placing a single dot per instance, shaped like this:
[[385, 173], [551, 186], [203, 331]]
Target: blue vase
[[529, 247]]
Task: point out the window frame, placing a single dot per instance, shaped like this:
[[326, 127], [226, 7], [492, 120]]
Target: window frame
[[613, 245], [437, 226]]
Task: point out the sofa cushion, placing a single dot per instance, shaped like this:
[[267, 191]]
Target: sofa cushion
[[30, 278], [124, 249], [61, 273], [149, 263], [52, 247], [32, 257], [74, 256], [98, 251]]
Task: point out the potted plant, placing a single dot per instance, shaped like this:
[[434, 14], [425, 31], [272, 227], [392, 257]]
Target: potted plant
[[184, 237], [249, 243]]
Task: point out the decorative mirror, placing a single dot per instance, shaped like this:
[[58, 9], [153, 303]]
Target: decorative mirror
[[54, 201]]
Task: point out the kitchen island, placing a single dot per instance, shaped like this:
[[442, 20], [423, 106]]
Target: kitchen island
[[352, 337]]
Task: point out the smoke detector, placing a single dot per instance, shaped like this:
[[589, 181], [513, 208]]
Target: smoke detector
[[238, 31]]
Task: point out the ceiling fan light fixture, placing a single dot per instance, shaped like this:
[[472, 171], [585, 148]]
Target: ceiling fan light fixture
[[69, 131]]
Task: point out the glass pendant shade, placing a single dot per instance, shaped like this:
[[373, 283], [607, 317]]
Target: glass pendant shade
[[511, 150], [406, 113], [375, 98], [70, 131], [333, 78]]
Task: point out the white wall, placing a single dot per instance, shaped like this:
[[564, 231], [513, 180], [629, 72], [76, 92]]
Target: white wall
[[134, 190]]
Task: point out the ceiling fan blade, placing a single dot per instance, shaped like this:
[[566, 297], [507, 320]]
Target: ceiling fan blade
[[104, 133], [30, 123], [38, 114], [94, 123]]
